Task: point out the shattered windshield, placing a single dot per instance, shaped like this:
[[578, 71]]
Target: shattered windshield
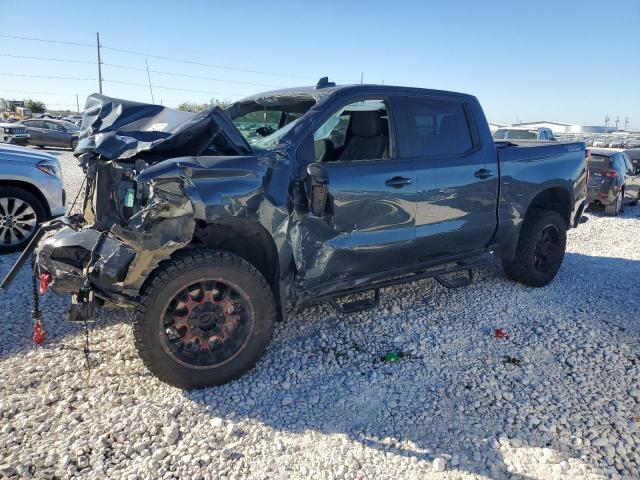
[[264, 120]]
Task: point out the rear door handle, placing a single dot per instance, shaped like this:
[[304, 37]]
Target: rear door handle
[[397, 182], [483, 173]]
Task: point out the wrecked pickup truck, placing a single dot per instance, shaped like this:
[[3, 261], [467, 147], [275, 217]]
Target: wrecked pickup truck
[[207, 225]]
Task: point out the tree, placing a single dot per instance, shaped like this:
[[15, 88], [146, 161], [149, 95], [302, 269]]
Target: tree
[[36, 106], [198, 107]]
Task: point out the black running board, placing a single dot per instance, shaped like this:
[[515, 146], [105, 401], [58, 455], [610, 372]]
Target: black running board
[[438, 274]]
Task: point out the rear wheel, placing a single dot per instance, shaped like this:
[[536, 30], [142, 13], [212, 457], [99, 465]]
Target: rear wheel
[[613, 209], [20, 214], [74, 143], [540, 251], [206, 318]]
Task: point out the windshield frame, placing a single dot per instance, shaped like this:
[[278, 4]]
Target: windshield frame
[[281, 100]]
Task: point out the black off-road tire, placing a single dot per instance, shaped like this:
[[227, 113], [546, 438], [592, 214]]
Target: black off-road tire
[[74, 143], [613, 209], [35, 204], [523, 267], [179, 272]]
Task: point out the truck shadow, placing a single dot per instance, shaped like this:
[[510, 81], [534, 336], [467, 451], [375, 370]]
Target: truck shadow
[[488, 406]]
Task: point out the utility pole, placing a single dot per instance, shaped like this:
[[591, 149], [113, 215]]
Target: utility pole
[[149, 78], [626, 123], [617, 121], [77, 104], [606, 120], [99, 63]]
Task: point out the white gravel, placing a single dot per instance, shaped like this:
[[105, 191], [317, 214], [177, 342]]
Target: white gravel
[[321, 403]]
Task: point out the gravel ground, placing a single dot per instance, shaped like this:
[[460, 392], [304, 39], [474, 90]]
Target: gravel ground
[[322, 404]]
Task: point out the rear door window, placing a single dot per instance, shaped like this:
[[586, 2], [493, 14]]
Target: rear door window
[[433, 127], [599, 162]]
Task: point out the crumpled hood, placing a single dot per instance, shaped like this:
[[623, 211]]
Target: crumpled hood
[[121, 129]]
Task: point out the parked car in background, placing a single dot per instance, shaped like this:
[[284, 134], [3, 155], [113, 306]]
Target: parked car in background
[[634, 155], [75, 119], [14, 134], [517, 133], [31, 191], [52, 133], [613, 180]]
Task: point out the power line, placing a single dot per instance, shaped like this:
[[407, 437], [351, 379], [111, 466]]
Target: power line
[[28, 92], [126, 67], [45, 76], [64, 60], [59, 42], [173, 88], [161, 57], [198, 77], [202, 64]]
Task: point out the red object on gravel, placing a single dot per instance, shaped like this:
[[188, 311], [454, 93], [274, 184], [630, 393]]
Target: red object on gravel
[[38, 333], [499, 333]]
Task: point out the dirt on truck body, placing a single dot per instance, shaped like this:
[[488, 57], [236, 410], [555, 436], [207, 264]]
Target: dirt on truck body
[[209, 224]]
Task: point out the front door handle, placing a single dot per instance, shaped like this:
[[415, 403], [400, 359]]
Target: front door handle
[[397, 182], [483, 173]]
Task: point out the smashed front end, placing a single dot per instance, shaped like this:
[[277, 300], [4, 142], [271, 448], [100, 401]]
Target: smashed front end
[[134, 215]]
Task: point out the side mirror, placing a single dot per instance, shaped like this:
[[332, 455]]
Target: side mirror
[[60, 128], [317, 188]]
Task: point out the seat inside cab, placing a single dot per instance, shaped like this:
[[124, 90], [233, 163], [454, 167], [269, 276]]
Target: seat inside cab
[[359, 131]]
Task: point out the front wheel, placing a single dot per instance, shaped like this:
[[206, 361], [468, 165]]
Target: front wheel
[[206, 318], [540, 250], [74, 143], [20, 214]]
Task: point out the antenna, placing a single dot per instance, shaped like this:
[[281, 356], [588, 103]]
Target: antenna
[[149, 77], [99, 62]]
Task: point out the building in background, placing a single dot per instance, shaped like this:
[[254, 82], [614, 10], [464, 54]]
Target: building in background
[[559, 128]]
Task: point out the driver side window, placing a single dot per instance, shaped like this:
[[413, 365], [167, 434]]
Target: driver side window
[[358, 131]]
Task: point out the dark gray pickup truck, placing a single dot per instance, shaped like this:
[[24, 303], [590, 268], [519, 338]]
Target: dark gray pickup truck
[[207, 225]]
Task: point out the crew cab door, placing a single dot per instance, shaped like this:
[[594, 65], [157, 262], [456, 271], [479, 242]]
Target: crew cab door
[[361, 198], [457, 177]]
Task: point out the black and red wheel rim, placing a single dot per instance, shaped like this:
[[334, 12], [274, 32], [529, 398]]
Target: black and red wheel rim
[[207, 323]]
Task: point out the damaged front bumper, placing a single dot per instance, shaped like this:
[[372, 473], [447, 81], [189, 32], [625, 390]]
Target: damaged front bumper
[[110, 266]]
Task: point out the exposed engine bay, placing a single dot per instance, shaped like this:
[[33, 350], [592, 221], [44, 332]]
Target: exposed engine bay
[[130, 220]]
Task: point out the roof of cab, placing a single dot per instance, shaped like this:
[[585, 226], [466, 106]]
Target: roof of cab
[[324, 91]]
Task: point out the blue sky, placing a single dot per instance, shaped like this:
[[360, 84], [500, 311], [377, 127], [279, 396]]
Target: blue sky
[[568, 61]]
